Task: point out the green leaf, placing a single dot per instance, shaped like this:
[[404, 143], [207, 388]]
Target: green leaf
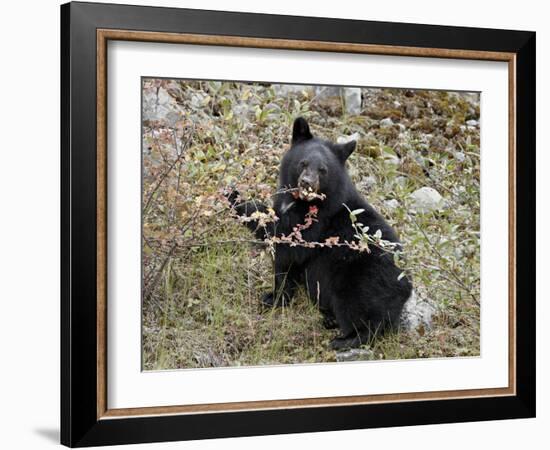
[[389, 150], [265, 112]]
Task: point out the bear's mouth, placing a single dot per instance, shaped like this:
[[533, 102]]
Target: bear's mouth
[[308, 194]]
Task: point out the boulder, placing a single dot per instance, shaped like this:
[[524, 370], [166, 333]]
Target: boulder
[[161, 106], [391, 204], [352, 100], [426, 199], [283, 90], [355, 354], [417, 314], [345, 139]]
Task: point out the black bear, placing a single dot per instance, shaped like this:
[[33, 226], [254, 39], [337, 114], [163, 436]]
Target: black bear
[[360, 292]]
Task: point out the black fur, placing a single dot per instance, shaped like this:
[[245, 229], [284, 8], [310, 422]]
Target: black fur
[[358, 292]]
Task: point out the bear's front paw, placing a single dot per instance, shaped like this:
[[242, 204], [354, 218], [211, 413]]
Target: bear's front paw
[[342, 343], [267, 299], [329, 322], [271, 301]]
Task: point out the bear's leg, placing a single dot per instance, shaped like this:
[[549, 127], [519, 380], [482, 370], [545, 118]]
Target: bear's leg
[[353, 341], [286, 281], [361, 327], [358, 326], [329, 321]]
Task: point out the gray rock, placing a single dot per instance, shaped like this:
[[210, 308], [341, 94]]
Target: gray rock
[[283, 90], [426, 199], [215, 85], [401, 181], [459, 156], [355, 354], [197, 100], [208, 358], [392, 160], [419, 159], [472, 123], [439, 143], [426, 138], [325, 92], [367, 183], [471, 97], [352, 100], [412, 111], [386, 123], [418, 312], [241, 110], [391, 204], [345, 139], [159, 105]]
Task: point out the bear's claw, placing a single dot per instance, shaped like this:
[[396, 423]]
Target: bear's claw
[[270, 301]]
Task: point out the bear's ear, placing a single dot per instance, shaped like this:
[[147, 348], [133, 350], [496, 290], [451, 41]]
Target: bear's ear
[[300, 130], [344, 150]]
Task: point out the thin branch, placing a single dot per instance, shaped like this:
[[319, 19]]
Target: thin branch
[[148, 290], [167, 172], [457, 279]]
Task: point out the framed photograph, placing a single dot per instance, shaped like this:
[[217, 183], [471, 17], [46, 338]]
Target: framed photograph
[[278, 224]]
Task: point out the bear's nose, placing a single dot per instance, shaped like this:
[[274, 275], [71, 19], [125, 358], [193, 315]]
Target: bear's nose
[[306, 182]]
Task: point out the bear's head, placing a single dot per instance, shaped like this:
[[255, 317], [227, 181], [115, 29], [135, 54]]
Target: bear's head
[[313, 166]]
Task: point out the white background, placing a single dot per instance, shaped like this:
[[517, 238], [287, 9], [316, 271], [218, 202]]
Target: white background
[[129, 387], [29, 225]]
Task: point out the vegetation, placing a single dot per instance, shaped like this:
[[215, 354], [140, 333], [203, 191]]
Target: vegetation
[[202, 274]]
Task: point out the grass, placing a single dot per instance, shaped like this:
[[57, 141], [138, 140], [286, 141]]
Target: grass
[[212, 317], [203, 280]]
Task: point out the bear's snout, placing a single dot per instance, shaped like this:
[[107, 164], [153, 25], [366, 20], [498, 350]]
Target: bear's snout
[[308, 181]]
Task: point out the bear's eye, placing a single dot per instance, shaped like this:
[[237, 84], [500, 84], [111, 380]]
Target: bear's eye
[[323, 170]]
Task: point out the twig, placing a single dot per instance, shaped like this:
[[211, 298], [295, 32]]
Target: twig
[[442, 259], [148, 290], [167, 172], [178, 181]]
